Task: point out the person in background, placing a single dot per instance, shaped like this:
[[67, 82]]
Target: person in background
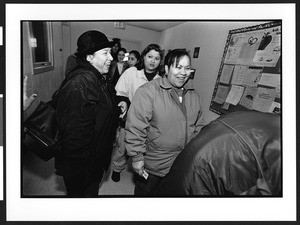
[[119, 66], [131, 79], [165, 114], [115, 48], [27, 101], [133, 58], [71, 64], [87, 115]]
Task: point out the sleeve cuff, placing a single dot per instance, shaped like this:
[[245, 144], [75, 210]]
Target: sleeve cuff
[[123, 98], [139, 157]]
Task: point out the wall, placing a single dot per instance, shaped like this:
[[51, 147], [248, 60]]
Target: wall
[[211, 38], [131, 33], [43, 84]]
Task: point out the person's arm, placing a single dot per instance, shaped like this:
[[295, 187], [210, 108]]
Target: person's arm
[[27, 101], [200, 123], [137, 124], [122, 88], [76, 111], [125, 82]]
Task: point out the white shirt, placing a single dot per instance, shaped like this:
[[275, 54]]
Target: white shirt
[[130, 81]]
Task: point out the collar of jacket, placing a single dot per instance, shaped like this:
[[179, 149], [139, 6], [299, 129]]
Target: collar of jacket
[[88, 66], [141, 74], [165, 83]]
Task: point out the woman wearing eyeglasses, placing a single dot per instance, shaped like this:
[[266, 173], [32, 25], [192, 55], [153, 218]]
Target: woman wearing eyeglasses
[[164, 116]]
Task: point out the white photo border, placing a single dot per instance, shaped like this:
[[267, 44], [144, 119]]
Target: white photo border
[[141, 209]]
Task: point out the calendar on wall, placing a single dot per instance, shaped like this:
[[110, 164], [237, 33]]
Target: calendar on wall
[[249, 77]]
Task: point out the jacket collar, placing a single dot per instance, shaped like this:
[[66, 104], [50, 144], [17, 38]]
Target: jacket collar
[[141, 74], [88, 66], [165, 83]]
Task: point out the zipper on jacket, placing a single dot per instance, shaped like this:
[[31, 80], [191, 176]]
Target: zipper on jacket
[[183, 110]]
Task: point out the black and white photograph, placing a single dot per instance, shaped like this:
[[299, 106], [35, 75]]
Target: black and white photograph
[[112, 111], [95, 136]]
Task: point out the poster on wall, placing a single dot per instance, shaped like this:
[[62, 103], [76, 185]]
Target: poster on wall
[[269, 49], [250, 72], [255, 48]]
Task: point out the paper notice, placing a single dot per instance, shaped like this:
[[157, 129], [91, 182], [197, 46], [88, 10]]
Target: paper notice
[[249, 47], [269, 50], [248, 97], [239, 74], [252, 77], [270, 79], [235, 94], [234, 48], [264, 99], [221, 94], [226, 73]]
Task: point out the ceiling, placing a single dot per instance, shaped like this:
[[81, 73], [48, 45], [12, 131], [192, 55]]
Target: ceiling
[[156, 26]]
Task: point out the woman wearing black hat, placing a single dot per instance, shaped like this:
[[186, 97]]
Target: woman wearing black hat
[[87, 114]]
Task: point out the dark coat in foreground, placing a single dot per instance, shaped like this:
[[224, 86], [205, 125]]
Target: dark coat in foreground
[[87, 115], [237, 154]]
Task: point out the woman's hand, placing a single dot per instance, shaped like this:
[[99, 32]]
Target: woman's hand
[[124, 108], [138, 167], [27, 101]]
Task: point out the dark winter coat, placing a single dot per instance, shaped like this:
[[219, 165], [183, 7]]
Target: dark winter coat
[[237, 154], [87, 115]]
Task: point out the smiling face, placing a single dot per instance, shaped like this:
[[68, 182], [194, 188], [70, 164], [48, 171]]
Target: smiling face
[[121, 56], [179, 74], [101, 60], [151, 61]]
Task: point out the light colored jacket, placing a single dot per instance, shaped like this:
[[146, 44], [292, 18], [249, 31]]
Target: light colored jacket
[[130, 81], [158, 126]]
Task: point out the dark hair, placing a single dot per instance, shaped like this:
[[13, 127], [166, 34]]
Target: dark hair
[[174, 56], [150, 47], [117, 41], [136, 54], [121, 49]]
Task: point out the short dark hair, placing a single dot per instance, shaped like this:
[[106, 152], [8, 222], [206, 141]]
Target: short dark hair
[[174, 56]]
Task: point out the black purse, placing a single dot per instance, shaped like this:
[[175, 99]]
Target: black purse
[[41, 132], [42, 135]]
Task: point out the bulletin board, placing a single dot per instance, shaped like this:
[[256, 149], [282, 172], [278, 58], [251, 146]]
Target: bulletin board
[[249, 77]]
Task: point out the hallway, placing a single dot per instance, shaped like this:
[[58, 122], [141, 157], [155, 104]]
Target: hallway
[[39, 179]]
